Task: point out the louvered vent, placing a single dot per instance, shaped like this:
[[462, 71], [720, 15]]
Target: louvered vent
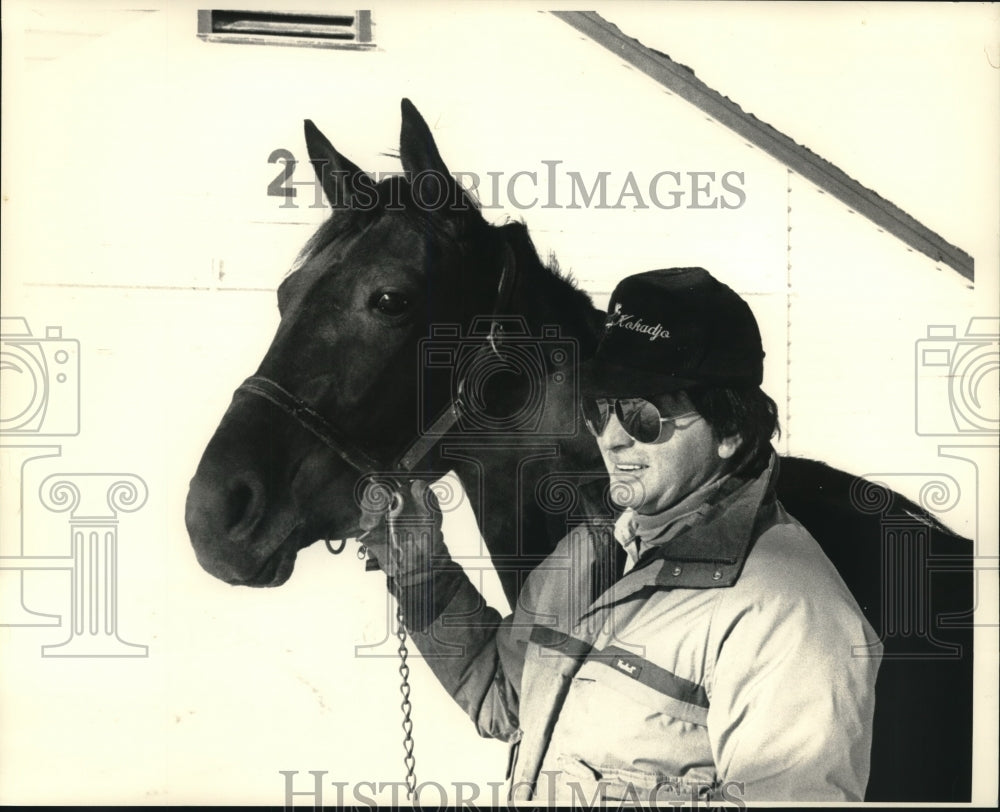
[[352, 30]]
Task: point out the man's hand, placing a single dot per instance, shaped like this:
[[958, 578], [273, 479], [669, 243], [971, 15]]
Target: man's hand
[[404, 530]]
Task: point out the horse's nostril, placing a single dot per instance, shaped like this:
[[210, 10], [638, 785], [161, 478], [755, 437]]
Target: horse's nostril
[[240, 507]]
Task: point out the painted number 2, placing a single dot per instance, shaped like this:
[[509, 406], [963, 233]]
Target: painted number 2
[[282, 186]]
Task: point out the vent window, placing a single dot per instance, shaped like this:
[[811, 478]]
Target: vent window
[[277, 28]]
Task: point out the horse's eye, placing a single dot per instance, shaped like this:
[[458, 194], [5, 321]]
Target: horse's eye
[[391, 303]]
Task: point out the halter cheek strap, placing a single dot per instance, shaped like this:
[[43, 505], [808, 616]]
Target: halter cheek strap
[[334, 439]]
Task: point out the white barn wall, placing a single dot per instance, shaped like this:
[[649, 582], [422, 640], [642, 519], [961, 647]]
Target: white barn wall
[[860, 302]]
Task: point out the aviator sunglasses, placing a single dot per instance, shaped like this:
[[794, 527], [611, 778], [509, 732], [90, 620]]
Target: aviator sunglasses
[[641, 419]]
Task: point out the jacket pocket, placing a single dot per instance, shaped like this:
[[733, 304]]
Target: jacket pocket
[[619, 738], [583, 783], [648, 693]]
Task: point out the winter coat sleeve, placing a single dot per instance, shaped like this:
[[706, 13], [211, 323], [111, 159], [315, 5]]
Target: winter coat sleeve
[[470, 648], [792, 668]]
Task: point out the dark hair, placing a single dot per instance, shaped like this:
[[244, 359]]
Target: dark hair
[[744, 411]]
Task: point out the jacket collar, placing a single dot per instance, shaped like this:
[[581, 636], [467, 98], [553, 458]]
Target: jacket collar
[[712, 547], [654, 530]]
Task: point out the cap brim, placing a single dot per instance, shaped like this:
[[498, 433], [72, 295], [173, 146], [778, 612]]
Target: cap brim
[[599, 379]]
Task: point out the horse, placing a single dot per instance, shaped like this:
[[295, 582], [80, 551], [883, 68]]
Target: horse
[[416, 338]]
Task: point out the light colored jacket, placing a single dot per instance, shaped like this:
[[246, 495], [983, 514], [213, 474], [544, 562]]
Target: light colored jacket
[[730, 663]]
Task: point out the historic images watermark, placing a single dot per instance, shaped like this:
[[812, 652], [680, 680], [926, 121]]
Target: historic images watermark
[[957, 399], [910, 620], [551, 185], [956, 395], [599, 794], [41, 400], [958, 380], [462, 375], [495, 355], [41, 381]]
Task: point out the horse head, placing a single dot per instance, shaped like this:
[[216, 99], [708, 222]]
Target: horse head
[[343, 391]]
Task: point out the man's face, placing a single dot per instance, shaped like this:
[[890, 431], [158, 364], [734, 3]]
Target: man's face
[[651, 477]]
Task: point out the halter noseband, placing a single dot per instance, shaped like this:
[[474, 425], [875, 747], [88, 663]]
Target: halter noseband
[[355, 456], [311, 420]]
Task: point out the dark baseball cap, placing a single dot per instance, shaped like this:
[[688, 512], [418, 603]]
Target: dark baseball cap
[[674, 329]]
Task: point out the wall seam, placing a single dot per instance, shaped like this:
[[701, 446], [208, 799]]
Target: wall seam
[[788, 311]]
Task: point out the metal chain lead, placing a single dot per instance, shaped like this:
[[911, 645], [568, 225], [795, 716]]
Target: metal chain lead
[[404, 688], [409, 761]]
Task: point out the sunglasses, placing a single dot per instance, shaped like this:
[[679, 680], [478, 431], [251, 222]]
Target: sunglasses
[[641, 419]]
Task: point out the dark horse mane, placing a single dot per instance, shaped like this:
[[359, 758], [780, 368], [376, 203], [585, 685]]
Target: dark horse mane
[[557, 290]]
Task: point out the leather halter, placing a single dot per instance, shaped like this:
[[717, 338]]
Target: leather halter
[[355, 456]]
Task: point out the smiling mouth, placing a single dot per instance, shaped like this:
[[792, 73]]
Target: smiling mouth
[[628, 468]]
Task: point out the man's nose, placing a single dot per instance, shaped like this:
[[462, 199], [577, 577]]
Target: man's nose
[[614, 436]]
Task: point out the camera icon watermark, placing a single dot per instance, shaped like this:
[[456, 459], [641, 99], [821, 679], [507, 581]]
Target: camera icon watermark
[[40, 398], [502, 381], [40, 381], [958, 379]]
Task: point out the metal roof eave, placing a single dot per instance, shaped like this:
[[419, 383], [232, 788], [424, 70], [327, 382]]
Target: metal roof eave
[[796, 157]]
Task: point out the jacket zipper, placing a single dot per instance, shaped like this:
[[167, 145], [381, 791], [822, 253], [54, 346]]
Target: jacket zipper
[[515, 746]]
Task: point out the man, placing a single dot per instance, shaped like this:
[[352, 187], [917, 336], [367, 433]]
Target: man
[[727, 660]]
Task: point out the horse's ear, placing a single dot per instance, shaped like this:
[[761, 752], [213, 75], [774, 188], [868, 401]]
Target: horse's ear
[[422, 162], [336, 173], [417, 150]]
